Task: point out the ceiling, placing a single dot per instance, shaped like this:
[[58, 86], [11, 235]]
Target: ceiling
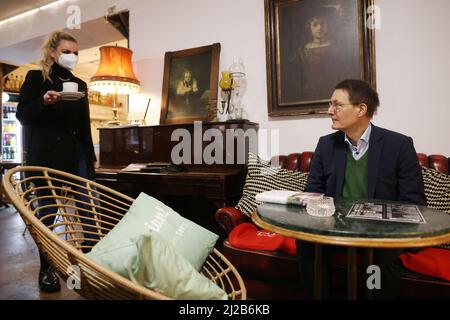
[[91, 34], [10, 8], [90, 37]]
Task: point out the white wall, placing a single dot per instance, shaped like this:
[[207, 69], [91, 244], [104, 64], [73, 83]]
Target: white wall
[[239, 27], [175, 25], [413, 70], [412, 49]]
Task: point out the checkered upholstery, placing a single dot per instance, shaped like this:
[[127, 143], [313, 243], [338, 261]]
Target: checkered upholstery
[[261, 176], [437, 191]]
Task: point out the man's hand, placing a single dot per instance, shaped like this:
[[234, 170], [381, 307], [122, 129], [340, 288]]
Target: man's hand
[[51, 97]]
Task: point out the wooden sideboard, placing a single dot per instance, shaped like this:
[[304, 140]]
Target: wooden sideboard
[[203, 186]]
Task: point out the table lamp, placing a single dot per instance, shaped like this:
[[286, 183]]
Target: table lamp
[[115, 75], [237, 70], [233, 85]]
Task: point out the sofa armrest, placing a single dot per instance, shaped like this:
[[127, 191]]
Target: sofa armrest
[[230, 217]]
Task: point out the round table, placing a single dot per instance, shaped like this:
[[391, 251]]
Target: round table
[[339, 229]]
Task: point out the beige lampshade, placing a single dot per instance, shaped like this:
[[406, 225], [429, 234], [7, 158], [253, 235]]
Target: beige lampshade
[[115, 72]]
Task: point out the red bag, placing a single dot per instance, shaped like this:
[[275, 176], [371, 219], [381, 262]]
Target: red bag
[[249, 236], [289, 246], [432, 262]]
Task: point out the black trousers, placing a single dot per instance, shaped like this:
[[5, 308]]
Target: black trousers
[[82, 208], [386, 259]]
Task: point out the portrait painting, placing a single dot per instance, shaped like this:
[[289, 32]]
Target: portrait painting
[[311, 46], [190, 84]]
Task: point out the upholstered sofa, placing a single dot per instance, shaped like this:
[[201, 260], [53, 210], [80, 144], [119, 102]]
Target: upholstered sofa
[[274, 274]]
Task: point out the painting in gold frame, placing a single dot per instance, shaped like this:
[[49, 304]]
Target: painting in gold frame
[[311, 45], [190, 84]]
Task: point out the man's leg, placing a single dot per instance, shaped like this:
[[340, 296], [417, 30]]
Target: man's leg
[[388, 261], [306, 258]]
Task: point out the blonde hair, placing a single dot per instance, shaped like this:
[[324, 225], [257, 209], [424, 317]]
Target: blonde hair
[[53, 41]]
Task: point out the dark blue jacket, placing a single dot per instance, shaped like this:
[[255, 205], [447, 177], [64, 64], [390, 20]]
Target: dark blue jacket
[[394, 170]]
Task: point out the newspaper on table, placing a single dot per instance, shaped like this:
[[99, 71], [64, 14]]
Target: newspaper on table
[[396, 212], [287, 197]]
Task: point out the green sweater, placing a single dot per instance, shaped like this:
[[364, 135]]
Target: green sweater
[[356, 177]]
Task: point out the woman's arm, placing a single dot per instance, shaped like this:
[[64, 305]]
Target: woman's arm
[[31, 99]]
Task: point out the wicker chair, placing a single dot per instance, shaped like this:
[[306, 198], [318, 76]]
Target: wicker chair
[[96, 209]]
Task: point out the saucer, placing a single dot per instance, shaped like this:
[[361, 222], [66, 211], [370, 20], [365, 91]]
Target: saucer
[[71, 96]]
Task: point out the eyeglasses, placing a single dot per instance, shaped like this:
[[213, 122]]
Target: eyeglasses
[[339, 106]]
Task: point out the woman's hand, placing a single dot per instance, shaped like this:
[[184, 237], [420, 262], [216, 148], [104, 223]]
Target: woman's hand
[[51, 97]]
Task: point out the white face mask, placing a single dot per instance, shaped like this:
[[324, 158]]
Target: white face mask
[[68, 60]]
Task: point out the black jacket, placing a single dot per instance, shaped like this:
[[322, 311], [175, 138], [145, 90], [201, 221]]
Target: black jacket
[[52, 132], [394, 170]]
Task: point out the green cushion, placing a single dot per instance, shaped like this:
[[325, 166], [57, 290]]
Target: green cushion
[[261, 176], [151, 262], [146, 213]]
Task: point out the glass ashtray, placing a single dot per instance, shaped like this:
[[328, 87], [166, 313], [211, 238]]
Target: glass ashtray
[[321, 207]]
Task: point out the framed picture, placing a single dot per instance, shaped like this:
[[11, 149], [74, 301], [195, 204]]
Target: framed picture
[[190, 84], [311, 46]]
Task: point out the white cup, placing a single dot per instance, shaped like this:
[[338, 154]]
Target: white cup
[[70, 87]]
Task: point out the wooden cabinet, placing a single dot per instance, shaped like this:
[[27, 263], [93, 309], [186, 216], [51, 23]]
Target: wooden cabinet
[[215, 168], [203, 187], [231, 142]]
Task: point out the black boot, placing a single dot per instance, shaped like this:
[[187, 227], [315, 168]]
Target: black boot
[[48, 280]]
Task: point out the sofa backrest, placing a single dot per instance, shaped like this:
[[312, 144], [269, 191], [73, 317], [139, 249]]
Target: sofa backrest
[[302, 161]]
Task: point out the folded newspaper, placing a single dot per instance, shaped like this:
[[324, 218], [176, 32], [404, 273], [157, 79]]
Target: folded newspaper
[[287, 197]]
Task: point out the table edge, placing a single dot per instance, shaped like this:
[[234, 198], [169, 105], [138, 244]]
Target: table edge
[[412, 242]]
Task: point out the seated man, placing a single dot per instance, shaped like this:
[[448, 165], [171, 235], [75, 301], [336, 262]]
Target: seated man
[[361, 160]]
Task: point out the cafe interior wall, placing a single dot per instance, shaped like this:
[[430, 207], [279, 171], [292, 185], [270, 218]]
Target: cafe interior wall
[[411, 63]]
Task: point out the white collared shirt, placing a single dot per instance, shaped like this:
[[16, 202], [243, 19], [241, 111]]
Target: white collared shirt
[[363, 144]]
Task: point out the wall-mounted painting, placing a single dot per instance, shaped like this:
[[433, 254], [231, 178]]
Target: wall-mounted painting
[[190, 84], [311, 46]]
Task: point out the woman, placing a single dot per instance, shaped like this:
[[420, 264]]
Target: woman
[[57, 133]]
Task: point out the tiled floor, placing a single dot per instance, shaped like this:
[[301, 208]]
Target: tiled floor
[[19, 262]]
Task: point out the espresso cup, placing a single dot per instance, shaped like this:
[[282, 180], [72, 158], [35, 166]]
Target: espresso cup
[[70, 87]]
